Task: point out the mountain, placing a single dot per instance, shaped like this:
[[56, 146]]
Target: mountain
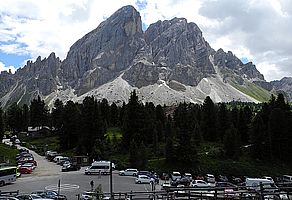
[[168, 63]]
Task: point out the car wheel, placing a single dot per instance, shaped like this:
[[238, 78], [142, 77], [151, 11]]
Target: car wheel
[[134, 174], [2, 183], [122, 174], [139, 182]]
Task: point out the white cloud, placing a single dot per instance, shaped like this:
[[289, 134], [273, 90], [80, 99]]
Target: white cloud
[[248, 28], [5, 68]]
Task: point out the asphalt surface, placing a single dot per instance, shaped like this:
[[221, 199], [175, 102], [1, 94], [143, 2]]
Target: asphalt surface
[[47, 176]]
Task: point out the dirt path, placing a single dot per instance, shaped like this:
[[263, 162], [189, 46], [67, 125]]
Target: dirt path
[[44, 167]]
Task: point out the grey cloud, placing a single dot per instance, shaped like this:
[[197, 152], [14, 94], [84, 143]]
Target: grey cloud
[[258, 27], [79, 14]]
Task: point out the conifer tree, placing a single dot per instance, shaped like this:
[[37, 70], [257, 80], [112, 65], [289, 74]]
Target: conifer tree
[[208, 121], [231, 143], [169, 147], [38, 113], [14, 118], [222, 121], [57, 114], [133, 123], [25, 117], [69, 126]]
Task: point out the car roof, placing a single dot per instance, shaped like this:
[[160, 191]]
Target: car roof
[[143, 176]]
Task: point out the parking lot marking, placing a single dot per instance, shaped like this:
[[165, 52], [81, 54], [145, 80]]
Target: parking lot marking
[[63, 187]]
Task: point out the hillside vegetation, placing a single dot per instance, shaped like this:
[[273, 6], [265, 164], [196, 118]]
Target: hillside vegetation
[[230, 138]]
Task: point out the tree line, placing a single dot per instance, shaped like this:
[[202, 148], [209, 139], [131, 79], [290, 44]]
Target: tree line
[[155, 131]]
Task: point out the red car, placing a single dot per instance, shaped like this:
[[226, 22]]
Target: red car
[[24, 170]]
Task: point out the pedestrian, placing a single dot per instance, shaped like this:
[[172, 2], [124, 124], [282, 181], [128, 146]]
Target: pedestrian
[[91, 184]]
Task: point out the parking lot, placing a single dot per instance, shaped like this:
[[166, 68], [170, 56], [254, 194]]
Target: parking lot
[[47, 176]]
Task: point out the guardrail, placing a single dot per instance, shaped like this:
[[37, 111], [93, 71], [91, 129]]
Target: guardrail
[[212, 193]]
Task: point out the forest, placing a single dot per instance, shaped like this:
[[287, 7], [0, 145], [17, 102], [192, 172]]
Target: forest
[[171, 134]]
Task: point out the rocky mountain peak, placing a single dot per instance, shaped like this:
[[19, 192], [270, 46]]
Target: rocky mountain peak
[[103, 53], [169, 62]]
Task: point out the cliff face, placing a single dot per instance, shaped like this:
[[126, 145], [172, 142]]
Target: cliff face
[[105, 52], [168, 63]]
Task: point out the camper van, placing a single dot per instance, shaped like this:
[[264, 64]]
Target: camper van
[[99, 167], [255, 184]]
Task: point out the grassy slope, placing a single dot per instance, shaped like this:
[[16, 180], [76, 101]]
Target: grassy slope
[[254, 91], [8, 153]]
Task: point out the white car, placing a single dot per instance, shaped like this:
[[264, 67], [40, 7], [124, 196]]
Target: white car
[[87, 195], [210, 178], [144, 179], [189, 176], [199, 183], [129, 172], [175, 175]]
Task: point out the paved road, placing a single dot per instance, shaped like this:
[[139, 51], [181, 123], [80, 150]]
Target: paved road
[[48, 174]]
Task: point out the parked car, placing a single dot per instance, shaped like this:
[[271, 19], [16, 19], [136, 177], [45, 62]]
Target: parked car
[[8, 198], [182, 181], [24, 170], [53, 195], [269, 178], [151, 175], [164, 176], [128, 172], [210, 178], [28, 165], [222, 178], [188, 175], [29, 197], [65, 163], [70, 167], [61, 160], [144, 179], [236, 180], [175, 175], [199, 183], [87, 195], [226, 185]]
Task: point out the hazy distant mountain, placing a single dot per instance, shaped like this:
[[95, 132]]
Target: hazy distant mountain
[[168, 63]]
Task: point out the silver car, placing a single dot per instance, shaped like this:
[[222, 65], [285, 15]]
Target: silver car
[[128, 172]]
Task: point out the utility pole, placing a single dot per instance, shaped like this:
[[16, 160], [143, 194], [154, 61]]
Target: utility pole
[[111, 181]]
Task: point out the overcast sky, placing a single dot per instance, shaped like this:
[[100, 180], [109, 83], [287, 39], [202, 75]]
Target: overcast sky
[[254, 30]]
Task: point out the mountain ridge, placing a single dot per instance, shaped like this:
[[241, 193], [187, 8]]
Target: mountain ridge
[[170, 62]]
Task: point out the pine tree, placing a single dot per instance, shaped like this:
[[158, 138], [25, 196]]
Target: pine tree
[[14, 117], [114, 115], [277, 130], [208, 121], [244, 120], [70, 126], [57, 114], [25, 117], [133, 123], [222, 120], [231, 143], [258, 138], [38, 113]]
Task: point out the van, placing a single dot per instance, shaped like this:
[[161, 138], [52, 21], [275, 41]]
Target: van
[[255, 184], [287, 178], [210, 178], [99, 167]]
